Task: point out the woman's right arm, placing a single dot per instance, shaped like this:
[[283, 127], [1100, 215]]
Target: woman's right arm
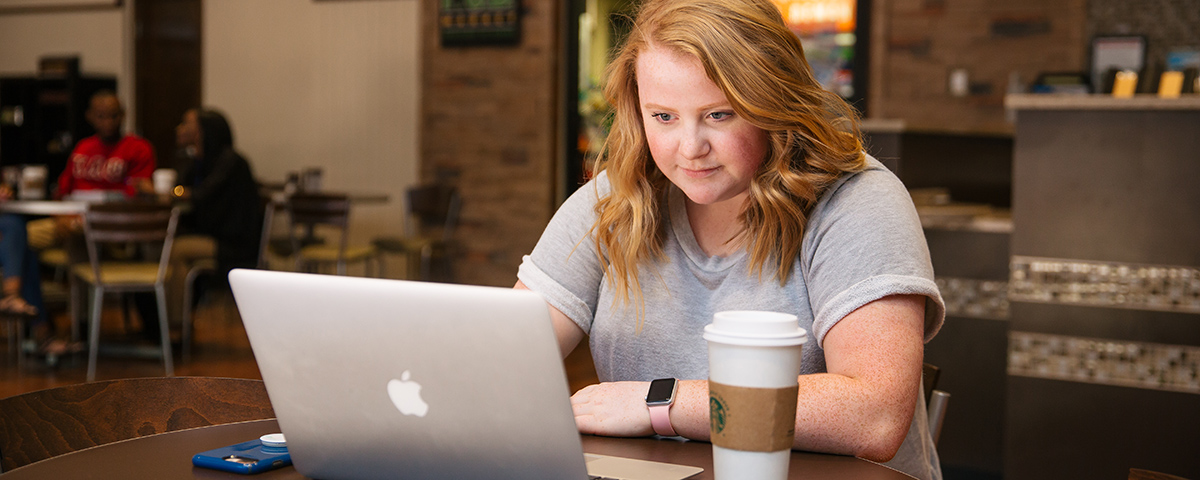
[[566, 331], [564, 267]]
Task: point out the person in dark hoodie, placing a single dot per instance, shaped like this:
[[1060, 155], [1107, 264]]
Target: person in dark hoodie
[[219, 183], [226, 214]]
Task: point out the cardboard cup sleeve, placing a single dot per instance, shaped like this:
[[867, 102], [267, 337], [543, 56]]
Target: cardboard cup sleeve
[[752, 419]]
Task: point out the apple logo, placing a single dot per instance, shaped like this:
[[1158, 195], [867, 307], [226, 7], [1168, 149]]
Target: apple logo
[[406, 395]]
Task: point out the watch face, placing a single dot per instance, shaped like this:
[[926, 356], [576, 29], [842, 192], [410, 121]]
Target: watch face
[[661, 390]]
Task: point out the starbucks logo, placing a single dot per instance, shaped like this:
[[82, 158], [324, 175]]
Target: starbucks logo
[[716, 414]]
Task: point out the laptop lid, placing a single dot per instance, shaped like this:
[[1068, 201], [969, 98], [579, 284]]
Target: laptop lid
[[375, 378]]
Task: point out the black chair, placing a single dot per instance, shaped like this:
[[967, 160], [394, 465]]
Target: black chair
[[43, 424], [306, 212], [935, 400], [432, 215], [209, 266]]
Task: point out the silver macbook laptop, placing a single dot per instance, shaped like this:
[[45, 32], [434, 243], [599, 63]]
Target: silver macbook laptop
[[378, 378]]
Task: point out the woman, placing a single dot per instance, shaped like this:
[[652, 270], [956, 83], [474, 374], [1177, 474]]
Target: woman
[[732, 181], [225, 219], [224, 195], [22, 292]]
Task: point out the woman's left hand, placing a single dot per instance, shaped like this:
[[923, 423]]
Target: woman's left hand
[[614, 409]]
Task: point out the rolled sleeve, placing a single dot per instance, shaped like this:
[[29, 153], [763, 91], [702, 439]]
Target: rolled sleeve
[[558, 296], [875, 288], [866, 243], [564, 267]]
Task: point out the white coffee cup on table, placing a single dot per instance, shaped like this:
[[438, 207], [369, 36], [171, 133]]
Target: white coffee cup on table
[[164, 180], [753, 365], [33, 183]]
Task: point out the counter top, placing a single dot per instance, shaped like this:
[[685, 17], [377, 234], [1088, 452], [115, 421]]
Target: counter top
[[882, 125], [967, 217], [1032, 101]]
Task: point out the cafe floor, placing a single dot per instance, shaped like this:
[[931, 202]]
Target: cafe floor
[[221, 349]]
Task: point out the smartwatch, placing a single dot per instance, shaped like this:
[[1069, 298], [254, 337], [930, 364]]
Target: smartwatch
[[659, 400]]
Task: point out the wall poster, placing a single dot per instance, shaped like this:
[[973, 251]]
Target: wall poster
[[479, 22]]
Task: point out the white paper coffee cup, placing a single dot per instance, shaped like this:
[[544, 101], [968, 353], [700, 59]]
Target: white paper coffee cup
[[33, 183], [164, 180], [753, 363]]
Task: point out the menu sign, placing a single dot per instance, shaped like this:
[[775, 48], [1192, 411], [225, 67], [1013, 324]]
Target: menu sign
[[479, 22]]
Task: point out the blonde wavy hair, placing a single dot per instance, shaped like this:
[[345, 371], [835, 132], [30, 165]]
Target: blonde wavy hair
[[748, 51]]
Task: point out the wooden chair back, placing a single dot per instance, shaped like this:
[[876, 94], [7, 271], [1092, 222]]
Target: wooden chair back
[[308, 210], [319, 209], [38, 425], [434, 209], [929, 375], [130, 222], [1142, 474]]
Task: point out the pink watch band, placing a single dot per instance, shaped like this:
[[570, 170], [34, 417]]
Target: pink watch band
[[660, 419]]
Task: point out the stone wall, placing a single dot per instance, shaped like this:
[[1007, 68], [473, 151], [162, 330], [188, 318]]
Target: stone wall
[[916, 44], [489, 125]]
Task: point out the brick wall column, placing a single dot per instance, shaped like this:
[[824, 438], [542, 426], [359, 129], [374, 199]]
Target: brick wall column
[[489, 124]]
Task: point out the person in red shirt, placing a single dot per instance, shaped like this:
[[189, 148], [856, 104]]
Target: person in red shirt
[[110, 159]]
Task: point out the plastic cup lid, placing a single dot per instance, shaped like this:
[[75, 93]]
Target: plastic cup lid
[[755, 328], [273, 440]]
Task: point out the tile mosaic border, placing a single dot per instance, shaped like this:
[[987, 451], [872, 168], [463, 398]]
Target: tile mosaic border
[[1104, 284], [1153, 366], [971, 298]]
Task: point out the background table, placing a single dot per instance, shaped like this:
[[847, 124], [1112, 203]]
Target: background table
[[168, 456], [43, 207]]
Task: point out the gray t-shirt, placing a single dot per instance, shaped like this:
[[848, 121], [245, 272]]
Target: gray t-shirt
[[863, 241]]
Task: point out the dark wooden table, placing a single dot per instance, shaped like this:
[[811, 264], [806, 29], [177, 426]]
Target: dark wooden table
[[168, 456], [47, 423]]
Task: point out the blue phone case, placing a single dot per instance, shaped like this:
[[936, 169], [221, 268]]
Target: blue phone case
[[245, 458]]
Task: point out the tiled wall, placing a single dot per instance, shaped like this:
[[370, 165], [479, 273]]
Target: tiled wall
[[1104, 295], [972, 298], [1106, 284], [1105, 362]]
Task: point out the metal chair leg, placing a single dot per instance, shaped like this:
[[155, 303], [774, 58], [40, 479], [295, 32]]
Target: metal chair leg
[[185, 325], [20, 344], [189, 287], [164, 329], [427, 263], [126, 301], [12, 339], [15, 329], [937, 413], [94, 327], [75, 298]]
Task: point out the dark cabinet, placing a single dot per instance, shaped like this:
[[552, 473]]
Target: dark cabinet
[[41, 119]]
